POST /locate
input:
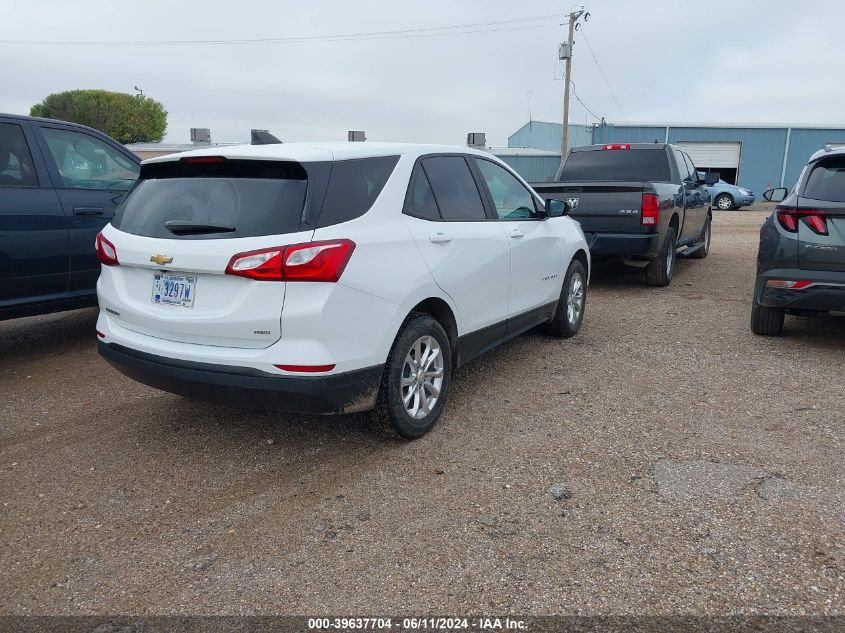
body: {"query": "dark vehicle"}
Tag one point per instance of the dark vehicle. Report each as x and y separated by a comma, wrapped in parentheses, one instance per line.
(801, 260)
(59, 186)
(643, 203)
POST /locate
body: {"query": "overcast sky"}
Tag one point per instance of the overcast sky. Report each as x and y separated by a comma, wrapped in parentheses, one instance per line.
(666, 60)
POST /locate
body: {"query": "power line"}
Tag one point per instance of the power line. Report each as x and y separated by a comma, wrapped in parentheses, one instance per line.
(434, 31)
(601, 72)
(578, 99)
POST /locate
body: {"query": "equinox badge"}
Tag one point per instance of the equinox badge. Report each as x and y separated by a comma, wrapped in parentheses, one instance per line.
(161, 259)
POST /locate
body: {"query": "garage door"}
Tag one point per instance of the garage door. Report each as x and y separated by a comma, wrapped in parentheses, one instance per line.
(712, 155)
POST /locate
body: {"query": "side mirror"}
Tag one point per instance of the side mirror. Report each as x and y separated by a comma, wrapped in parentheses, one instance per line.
(776, 195)
(556, 208)
(711, 178)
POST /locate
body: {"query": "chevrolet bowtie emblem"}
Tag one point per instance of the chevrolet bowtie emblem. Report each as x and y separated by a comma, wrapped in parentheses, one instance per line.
(161, 259)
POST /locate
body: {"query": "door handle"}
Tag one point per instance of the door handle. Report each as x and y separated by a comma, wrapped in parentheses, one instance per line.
(440, 238)
(88, 210)
(516, 233)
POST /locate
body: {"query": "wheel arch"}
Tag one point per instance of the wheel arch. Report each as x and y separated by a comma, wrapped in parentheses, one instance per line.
(581, 256)
(442, 312)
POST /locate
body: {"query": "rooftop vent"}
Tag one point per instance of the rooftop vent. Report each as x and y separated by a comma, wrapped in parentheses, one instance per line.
(200, 135)
(477, 140)
(356, 136)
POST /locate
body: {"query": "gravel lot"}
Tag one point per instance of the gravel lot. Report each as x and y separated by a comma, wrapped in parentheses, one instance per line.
(701, 471)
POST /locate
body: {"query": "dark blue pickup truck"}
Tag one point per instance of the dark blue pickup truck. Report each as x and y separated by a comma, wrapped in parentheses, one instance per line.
(644, 203)
(59, 185)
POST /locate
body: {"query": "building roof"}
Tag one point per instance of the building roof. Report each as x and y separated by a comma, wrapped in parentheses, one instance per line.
(705, 124)
(311, 152)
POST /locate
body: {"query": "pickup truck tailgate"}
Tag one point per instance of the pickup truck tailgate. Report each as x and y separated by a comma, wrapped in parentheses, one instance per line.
(607, 207)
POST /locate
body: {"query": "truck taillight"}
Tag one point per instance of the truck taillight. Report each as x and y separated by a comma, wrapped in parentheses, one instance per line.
(618, 146)
(650, 214)
(106, 252)
(311, 261)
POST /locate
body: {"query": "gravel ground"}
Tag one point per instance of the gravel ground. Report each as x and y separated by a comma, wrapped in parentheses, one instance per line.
(663, 461)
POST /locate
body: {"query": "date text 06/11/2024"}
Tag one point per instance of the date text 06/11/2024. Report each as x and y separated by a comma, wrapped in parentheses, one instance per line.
(417, 624)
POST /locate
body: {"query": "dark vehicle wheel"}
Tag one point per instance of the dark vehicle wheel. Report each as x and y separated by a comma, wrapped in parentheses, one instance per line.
(766, 321)
(706, 237)
(569, 313)
(660, 270)
(416, 379)
(724, 201)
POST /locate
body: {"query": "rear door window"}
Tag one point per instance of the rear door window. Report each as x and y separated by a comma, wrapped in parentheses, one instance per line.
(627, 165)
(419, 202)
(221, 199)
(16, 166)
(454, 188)
(827, 180)
(354, 186)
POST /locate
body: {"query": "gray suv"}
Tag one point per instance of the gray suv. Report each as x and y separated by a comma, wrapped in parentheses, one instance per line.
(801, 260)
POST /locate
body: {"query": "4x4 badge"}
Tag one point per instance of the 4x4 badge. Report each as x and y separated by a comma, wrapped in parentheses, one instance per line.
(161, 259)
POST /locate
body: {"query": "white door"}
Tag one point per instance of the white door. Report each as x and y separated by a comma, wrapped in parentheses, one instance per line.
(468, 255)
(712, 156)
(535, 248)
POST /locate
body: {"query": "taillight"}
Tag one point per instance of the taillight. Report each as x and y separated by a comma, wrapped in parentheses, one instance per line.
(202, 160)
(814, 218)
(106, 252)
(312, 261)
(306, 369)
(788, 284)
(618, 146)
(650, 215)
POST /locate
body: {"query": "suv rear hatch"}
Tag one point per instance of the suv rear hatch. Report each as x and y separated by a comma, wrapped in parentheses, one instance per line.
(608, 183)
(178, 231)
(820, 216)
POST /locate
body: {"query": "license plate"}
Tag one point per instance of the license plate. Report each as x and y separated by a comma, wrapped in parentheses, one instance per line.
(174, 290)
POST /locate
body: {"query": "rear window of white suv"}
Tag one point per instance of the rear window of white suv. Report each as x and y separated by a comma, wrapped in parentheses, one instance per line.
(212, 197)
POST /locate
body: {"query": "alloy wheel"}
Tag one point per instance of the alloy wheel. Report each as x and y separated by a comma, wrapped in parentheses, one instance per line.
(422, 377)
(575, 299)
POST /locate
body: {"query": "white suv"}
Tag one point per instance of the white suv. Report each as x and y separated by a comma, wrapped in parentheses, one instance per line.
(331, 278)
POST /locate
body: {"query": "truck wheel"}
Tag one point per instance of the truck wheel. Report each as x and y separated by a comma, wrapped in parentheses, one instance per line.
(569, 313)
(766, 321)
(416, 379)
(706, 237)
(660, 270)
(724, 201)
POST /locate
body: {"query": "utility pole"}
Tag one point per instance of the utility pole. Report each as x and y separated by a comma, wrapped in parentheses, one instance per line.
(566, 54)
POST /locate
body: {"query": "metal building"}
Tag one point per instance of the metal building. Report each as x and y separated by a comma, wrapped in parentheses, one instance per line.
(754, 156)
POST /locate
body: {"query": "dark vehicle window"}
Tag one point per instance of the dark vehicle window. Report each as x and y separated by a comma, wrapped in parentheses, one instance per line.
(85, 162)
(683, 168)
(420, 199)
(693, 172)
(510, 197)
(454, 188)
(353, 188)
(16, 167)
(631, 165)
(827, 181)
(226, 199)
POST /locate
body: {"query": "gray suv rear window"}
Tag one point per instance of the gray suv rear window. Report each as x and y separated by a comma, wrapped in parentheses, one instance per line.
(827, 180)
(626, 165)
(222, 199)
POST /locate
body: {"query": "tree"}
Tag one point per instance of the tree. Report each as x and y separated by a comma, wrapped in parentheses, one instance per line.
(126, 118)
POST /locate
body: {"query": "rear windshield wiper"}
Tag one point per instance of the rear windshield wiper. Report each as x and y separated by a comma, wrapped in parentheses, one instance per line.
(184, 227)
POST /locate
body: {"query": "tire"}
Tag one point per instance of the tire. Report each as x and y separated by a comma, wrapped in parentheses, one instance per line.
(766, 321)
(724, 202)
(661, 269)
(419, 333)
(569, 313)
(706, 238)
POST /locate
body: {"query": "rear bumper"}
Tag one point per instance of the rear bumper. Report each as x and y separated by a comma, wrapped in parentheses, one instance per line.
(826, 294)
(348, 392)
(623, 244)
